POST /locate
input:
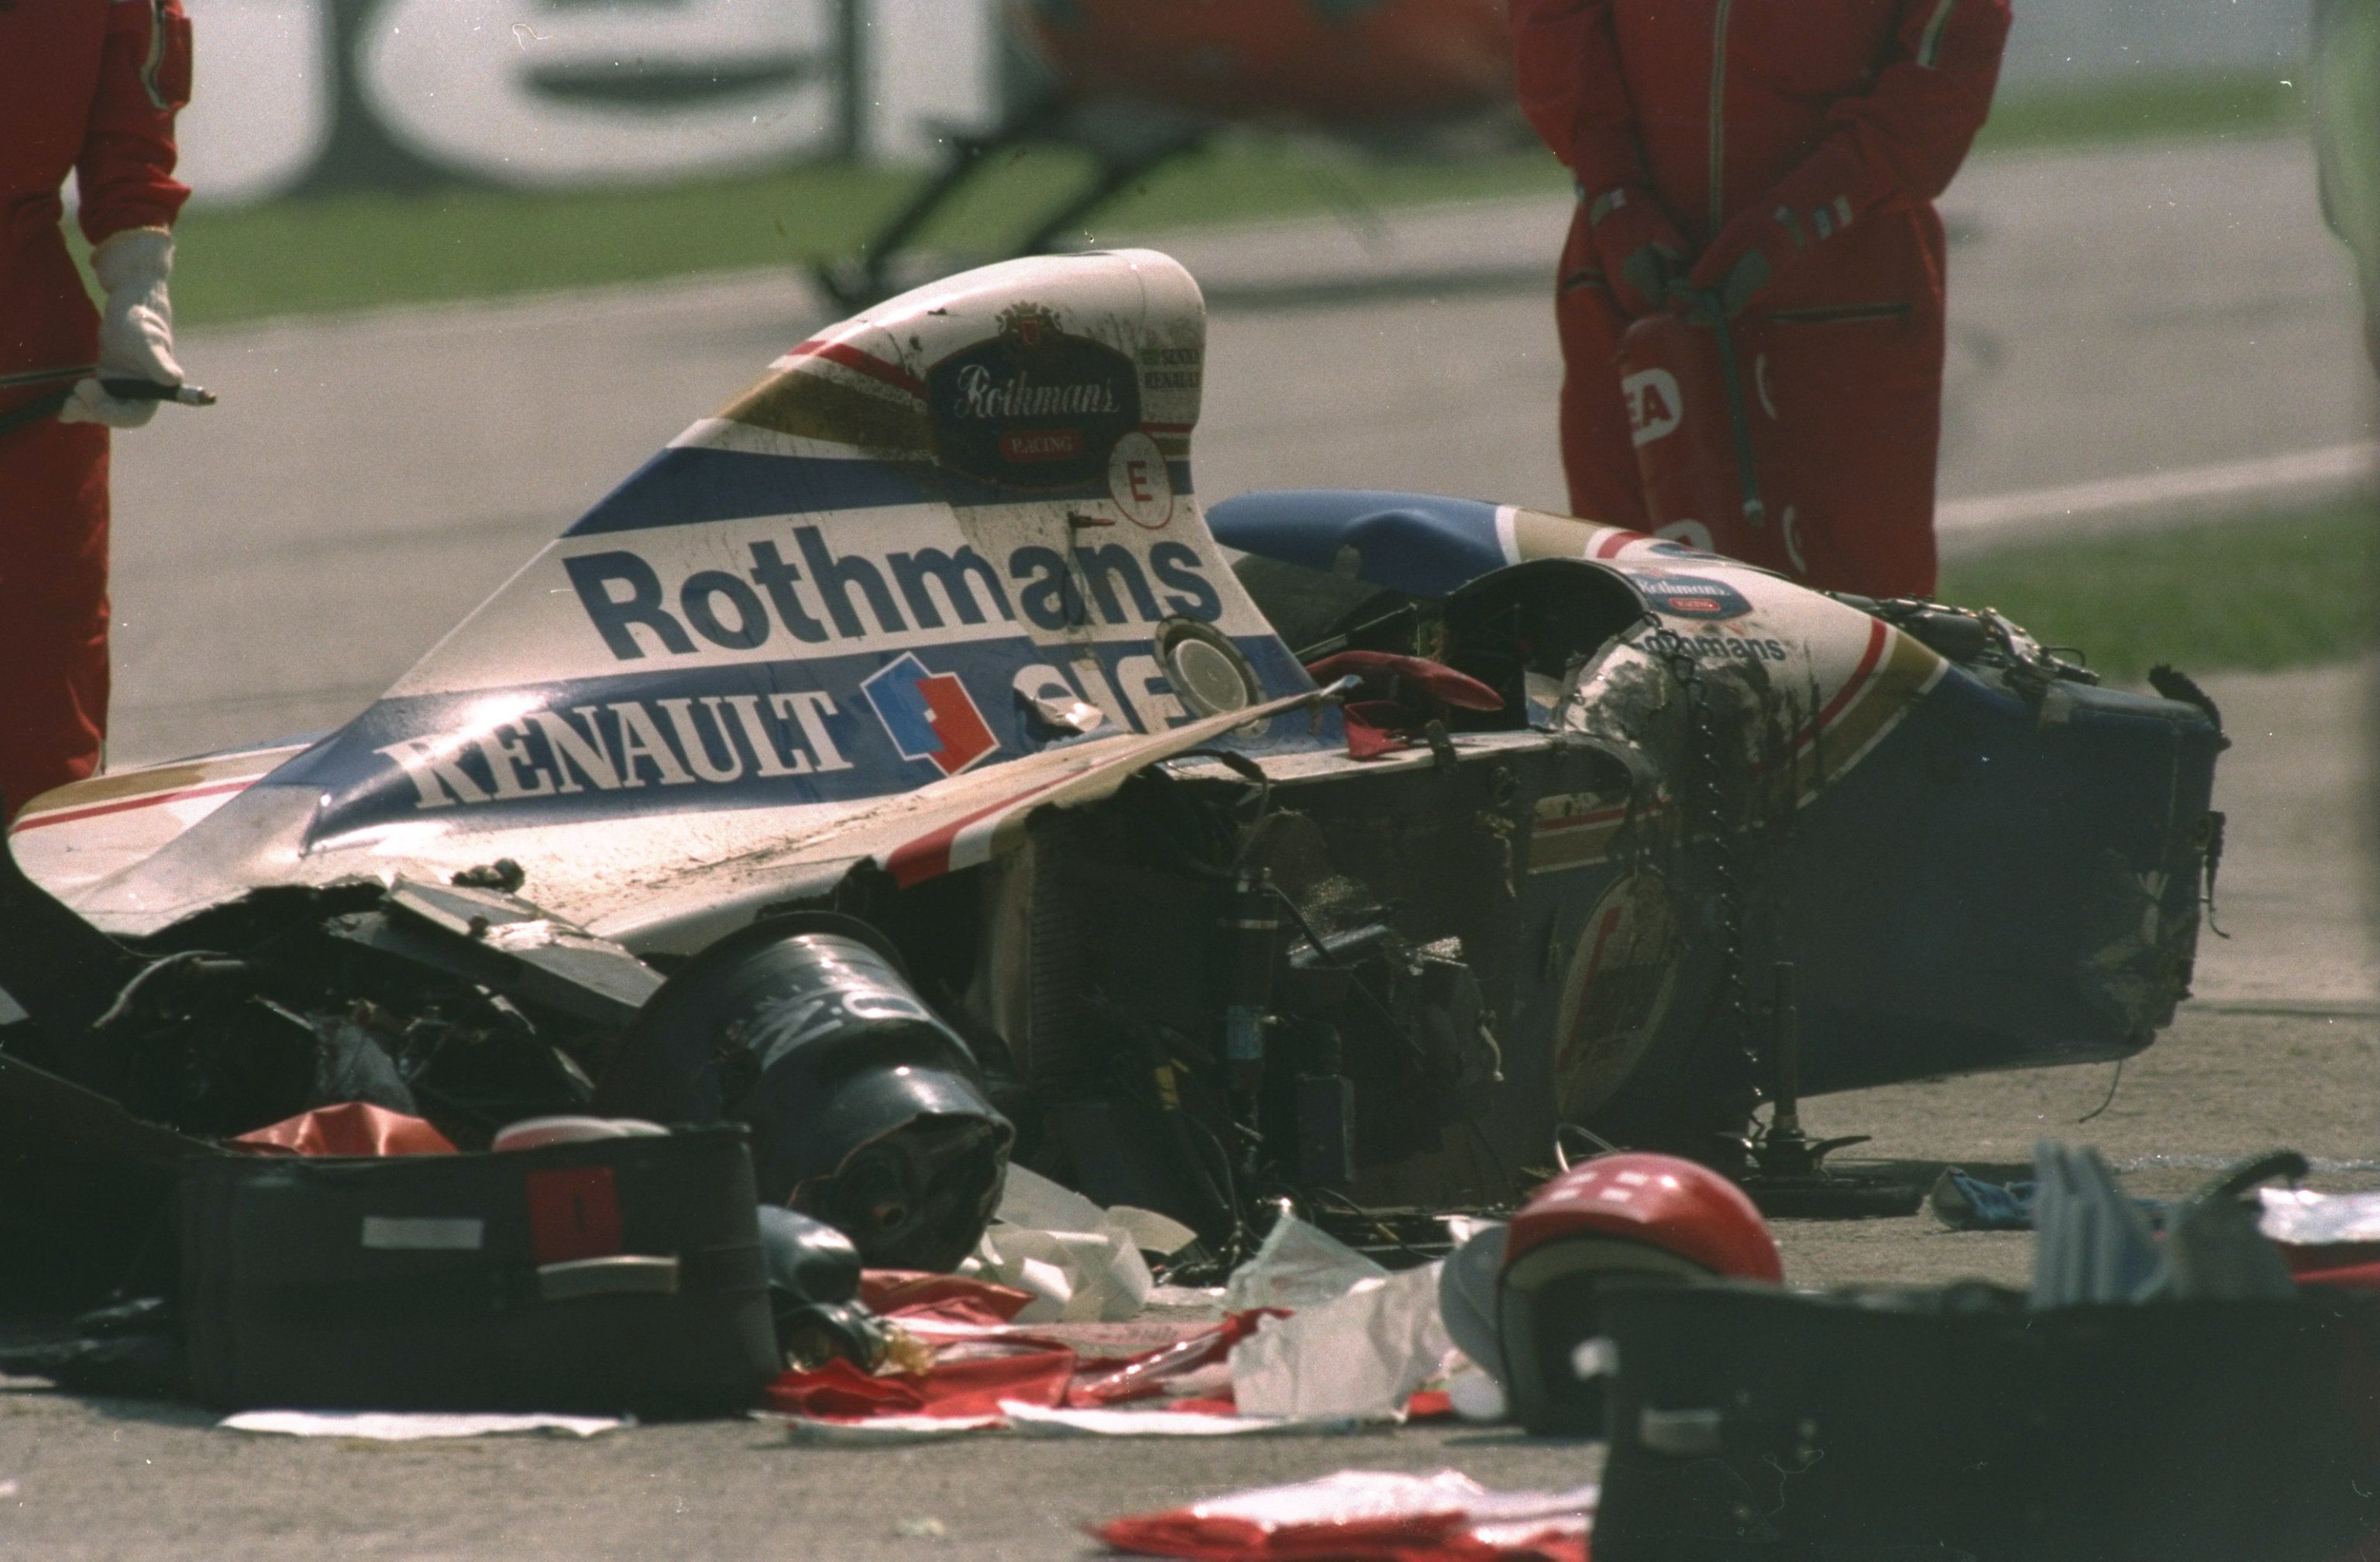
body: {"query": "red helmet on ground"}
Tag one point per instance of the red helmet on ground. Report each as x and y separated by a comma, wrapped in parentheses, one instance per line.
(1640, 1216)
(1659, 1201)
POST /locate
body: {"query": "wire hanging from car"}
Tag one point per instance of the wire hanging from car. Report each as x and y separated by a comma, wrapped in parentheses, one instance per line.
(2110, 1100)
(1561, 1151)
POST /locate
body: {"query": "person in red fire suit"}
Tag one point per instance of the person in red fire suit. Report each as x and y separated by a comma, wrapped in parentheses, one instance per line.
(88, 86)
(1783, 155)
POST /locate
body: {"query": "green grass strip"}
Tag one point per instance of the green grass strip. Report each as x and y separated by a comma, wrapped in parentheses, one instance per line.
(2285, 591)
(370, 248)
(365, 250)
(2155, 108)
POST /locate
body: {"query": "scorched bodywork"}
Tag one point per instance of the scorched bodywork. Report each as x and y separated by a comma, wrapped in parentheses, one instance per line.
(907, 722)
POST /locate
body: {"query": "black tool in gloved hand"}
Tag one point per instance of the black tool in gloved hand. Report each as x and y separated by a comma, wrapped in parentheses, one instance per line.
(151, 390)
(47, 406)
(33, 411)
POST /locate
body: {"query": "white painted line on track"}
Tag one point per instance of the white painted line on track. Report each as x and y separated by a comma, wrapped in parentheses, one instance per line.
(2160, 498)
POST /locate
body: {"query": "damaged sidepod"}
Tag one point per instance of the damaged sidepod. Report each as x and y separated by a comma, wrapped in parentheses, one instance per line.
(900, 764)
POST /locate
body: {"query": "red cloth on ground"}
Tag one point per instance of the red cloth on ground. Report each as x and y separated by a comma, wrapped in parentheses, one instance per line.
(840, 1391)
(1820, 133)
(88, 87)
(1360, 1516)
(352, 1128)
(953, 1298)
(1138, 1377)
(1039, 1372)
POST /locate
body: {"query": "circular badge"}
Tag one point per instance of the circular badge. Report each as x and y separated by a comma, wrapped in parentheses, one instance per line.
(1205, 668)
(1615, 994)
(1139, 480)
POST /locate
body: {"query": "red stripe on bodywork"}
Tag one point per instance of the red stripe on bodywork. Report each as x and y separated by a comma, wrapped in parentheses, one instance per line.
(930, 855)
(1608, 545)
(1877, 636)
(67, 815)
(848, 357)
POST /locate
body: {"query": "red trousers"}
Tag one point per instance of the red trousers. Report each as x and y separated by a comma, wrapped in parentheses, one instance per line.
(52, 606)
(1843, 386)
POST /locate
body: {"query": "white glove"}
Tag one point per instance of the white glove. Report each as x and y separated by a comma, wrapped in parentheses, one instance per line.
(136, 328)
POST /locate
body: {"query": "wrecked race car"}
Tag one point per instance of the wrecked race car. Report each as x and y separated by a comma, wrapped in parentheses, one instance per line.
(901, 764)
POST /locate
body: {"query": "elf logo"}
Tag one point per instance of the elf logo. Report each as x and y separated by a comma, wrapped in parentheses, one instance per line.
(1654, 404)
(930, 715)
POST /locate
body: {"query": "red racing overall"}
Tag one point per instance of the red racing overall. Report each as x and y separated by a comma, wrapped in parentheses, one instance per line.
(91, 87)
(1786, 153)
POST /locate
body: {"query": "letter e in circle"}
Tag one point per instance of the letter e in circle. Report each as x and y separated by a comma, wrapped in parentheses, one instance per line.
(1139, 482)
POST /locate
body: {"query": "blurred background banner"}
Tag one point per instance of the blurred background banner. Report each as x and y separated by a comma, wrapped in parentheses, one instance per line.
(304, 97)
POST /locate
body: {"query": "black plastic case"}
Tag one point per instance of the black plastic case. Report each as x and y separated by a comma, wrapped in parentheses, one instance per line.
(619, 1275)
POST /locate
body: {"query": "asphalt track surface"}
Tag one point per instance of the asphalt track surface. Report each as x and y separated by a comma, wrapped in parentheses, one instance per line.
(2122, 320)
(2251, 1065)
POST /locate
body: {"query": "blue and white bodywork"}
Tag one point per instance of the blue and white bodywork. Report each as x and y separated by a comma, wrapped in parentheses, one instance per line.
(930, 557)
(1363, 856)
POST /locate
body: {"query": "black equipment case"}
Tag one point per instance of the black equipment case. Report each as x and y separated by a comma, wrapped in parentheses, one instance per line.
(1750, 1422)
(602, 1277)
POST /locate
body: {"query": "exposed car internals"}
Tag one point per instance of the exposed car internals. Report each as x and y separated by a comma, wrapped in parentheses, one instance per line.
(904, 765)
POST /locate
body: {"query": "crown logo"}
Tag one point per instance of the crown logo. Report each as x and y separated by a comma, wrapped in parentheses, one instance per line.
(1027, 325)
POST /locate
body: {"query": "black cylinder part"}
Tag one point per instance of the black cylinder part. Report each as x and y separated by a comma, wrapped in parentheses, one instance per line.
(866, 1111)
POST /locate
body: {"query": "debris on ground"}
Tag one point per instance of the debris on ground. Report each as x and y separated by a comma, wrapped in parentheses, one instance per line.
(982, 1374)
(390, 1427)
(1361, 1514)
(1297, 1265)
(1359, 1357)
(1077, 1261)
(2302, 1218)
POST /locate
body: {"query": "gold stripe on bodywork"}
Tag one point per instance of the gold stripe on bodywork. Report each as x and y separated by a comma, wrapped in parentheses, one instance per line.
(47, 376)
(809, 406)
(1538, 535)
(1555, 845)
(160, 779)
(1909, 669)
